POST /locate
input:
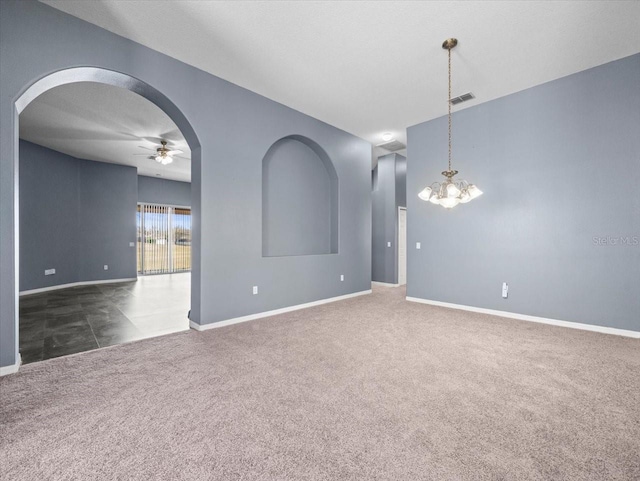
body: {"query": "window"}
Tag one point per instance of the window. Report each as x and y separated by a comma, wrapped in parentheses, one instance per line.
(164, 239)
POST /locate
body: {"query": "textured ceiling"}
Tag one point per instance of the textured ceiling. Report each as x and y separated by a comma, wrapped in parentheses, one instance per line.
(376, 66)
(104, 123)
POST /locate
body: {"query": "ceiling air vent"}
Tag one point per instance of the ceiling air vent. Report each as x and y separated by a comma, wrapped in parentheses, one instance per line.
(392, 146)
(462, 98)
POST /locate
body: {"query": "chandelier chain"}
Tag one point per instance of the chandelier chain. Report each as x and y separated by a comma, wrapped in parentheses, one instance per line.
(449, 102)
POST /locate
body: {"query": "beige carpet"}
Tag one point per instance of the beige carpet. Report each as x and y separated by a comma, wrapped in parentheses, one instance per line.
(372, 388)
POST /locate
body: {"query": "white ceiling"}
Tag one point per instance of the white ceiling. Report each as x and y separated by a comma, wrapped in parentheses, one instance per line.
(109, 124)
(370, 67)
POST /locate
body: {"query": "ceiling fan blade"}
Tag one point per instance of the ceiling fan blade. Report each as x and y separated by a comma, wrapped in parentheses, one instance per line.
(146, 148)
(181, 157)
(170, 138)
(172, 152)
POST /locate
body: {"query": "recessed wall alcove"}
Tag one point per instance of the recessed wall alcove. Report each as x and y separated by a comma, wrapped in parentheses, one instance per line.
(299, 199)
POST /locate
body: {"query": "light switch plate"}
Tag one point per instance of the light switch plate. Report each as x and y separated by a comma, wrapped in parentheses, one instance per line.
(341, 277)
(417, 245)
(106, 267)
(132, 244)
(388, 244)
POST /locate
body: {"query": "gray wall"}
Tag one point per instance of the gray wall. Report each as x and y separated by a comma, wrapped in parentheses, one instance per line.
(75, 216)
(229, 130)
(559, 165)
(401, 181)
(152, 190)
(108, 199)
(49, 217)
(386, 198)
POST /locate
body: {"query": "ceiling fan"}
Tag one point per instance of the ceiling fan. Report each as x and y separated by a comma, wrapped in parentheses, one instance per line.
(162, 155)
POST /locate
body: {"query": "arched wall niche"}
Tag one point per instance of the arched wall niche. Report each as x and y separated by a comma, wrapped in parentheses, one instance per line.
(299, 199)
(116, 79)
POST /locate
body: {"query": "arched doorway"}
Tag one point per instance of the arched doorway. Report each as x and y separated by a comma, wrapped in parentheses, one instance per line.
(116, 79)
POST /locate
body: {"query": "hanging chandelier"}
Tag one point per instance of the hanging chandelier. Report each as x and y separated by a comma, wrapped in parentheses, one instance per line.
(450, 192)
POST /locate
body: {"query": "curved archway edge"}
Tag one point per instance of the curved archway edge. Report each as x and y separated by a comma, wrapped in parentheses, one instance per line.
(116, 79)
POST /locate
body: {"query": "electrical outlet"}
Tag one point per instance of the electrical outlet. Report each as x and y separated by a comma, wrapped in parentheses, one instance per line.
(255, 290)
(49, 272)
(417, 245)
(341, 277)
(132, 244)
(505, 290)
(106, 267)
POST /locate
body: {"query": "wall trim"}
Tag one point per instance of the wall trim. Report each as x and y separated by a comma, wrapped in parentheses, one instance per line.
(75, 284)
(384, 284)
(525, 317)
(275, 312)
(12, 369)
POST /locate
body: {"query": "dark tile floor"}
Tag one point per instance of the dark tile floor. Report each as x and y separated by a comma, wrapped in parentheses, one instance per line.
(68, 321)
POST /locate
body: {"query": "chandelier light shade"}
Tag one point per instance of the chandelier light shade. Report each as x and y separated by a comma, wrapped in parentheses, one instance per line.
(449, 192)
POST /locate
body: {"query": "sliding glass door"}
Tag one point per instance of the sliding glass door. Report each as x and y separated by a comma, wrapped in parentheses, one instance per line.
(164, 239)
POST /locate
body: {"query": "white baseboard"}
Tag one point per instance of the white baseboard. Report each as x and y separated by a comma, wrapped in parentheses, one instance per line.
(384, 284)
(75, 284)
(526, 317)
(251, 317)
(6, 370)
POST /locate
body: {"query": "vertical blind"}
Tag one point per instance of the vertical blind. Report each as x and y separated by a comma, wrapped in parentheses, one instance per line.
(164, 239)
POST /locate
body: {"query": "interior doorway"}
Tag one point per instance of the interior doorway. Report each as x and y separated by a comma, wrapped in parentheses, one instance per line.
(402, 245)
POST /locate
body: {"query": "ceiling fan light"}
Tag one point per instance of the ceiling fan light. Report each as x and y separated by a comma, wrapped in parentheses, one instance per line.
(434, 199)
(425, 193)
